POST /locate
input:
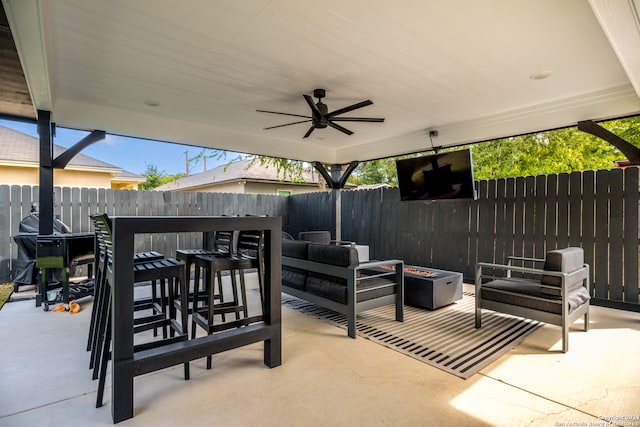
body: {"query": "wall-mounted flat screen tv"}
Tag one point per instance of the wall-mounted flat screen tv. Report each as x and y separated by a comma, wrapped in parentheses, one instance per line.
(442, 176)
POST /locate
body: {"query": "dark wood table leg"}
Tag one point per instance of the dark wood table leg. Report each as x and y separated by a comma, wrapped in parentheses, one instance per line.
(122, 370)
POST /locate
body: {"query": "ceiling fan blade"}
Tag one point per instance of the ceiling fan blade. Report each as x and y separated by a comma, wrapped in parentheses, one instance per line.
(349, 108)
(309, 131)
(357, 119)
(340, 128)
(288, 124)
(284, 114)
(312, 105)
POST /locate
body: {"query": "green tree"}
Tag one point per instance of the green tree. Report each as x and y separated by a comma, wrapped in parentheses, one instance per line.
(286, 169)
(155, 178)
(543, 153)
(558, 151)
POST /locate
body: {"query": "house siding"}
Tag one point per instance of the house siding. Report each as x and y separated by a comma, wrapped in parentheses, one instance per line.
(12, 175)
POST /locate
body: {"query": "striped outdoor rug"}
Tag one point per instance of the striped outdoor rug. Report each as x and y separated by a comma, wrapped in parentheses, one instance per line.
(444, 338)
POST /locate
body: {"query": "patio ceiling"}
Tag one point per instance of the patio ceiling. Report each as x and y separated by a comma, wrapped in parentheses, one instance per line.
(195, 72)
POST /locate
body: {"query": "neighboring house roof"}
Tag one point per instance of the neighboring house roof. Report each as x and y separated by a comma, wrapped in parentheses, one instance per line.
(127, 176)
(20, 149)
(371, 186)
(243, 170)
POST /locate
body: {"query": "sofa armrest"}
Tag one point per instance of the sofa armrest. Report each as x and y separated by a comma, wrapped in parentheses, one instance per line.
(343, 242)
(397, 271)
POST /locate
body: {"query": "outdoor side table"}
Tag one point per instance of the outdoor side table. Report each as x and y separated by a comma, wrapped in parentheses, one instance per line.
(431, 292)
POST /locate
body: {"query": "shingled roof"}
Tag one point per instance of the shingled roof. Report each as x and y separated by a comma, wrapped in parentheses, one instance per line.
(243, 170)
(20, 149)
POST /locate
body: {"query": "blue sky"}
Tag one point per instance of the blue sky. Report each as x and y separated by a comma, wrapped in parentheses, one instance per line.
(131, 154)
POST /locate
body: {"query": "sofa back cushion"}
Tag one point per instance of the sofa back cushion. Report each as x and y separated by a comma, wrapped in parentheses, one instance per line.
(342, 256)
(324, 285)
(565, 260)
(291, 276)
(295, 249)
(315, 236)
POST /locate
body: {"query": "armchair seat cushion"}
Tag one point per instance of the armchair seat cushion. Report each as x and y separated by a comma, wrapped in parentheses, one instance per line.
(493, 291)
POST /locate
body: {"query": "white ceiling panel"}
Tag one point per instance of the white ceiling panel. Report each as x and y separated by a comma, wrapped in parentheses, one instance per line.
(462, 67)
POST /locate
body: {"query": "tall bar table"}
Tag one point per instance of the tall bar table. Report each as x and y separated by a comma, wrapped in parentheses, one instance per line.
(126, 364)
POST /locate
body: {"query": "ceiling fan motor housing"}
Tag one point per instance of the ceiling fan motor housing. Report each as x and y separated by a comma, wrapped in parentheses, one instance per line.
(319, 93)
(321, 121)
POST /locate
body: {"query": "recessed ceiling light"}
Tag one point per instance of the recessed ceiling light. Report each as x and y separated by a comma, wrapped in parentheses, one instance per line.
(151, 103)
(540, 75)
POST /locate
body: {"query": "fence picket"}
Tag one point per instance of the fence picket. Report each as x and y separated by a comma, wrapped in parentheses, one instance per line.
(630, 196)
(616, 234)
(601, 267)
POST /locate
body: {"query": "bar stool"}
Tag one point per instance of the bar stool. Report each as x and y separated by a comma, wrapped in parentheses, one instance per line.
(99, 310)
(247, 256)
(221, 245)
(98, 294)
(169, 273)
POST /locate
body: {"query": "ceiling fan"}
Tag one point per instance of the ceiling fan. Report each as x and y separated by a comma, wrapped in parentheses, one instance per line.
(320, 116)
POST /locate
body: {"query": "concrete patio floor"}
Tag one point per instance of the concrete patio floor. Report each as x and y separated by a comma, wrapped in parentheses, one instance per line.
(326, 378)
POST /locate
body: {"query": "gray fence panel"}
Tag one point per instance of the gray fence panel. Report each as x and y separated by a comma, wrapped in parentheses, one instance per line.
(472, 252)
(518, 218)
(6, 252)
(485, 224)
(588, 220)
(575, 209)
(502, 234)
(529, 216)
(539, 214)
(616, 234)
(563, 211)
(601, 267)
(551, 220)
(631, 199)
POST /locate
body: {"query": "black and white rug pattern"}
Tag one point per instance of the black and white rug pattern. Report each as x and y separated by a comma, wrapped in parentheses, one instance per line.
(445, 338)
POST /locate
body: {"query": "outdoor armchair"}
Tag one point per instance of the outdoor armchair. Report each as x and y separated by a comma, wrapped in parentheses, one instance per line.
(557, 294)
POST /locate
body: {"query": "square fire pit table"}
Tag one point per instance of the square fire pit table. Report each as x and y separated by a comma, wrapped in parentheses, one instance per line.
(430, 288)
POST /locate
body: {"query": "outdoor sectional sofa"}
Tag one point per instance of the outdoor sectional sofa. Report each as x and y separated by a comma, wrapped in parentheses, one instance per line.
(331, 276)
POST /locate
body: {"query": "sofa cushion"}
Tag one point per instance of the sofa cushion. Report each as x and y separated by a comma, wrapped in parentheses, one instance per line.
(565, 260)
(336, 289)
(315, 236)
(295, 249)
(324, 285)
(342, 256)
(291, 276)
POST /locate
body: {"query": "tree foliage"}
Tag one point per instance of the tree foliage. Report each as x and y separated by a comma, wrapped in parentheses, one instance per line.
(286, 169)
(544, 153)
(155, 178)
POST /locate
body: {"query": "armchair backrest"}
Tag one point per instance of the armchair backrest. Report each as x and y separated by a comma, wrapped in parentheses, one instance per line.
(565, 260)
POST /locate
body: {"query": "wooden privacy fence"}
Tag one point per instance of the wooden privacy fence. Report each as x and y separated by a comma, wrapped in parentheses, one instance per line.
(527, 216)
(74, 205)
